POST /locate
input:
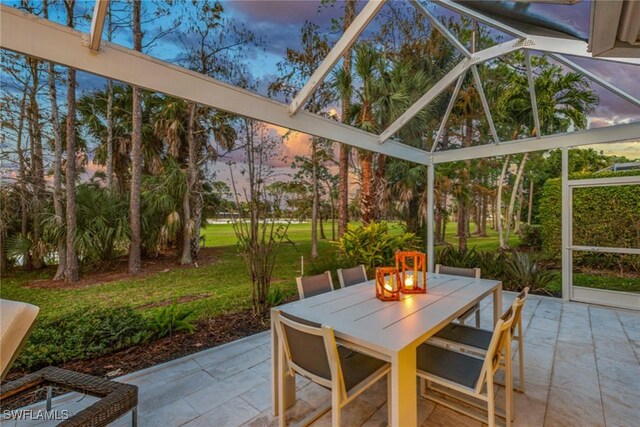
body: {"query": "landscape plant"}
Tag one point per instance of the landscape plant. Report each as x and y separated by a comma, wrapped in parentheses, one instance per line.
(374, 245)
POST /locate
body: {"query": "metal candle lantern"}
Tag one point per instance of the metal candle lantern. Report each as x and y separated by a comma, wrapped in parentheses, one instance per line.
(412, 267)
(387, 284)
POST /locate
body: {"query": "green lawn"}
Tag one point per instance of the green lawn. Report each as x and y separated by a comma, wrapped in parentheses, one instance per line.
(223, 286)
(598, 281)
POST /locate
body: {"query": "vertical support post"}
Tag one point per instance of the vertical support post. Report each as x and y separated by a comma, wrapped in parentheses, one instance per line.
(566, 228)
(49, 396)
(430, 216)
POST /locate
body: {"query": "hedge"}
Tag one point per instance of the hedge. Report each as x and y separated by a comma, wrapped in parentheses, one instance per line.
(602, 216)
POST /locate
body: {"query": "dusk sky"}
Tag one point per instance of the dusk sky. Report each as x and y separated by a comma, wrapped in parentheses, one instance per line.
(277, 24)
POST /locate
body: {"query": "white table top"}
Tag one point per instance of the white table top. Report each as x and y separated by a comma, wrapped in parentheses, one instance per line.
(387, 327)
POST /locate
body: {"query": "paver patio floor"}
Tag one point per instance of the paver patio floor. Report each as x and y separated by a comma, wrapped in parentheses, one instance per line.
(582, 368)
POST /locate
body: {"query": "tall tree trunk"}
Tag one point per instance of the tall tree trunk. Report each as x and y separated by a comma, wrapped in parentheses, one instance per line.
(37, 163)
(483, 216)
(71, 273)
(512, 201)
(518, 215)
(58, 207)
(530, 212)
(109, 111)
(380, 185)
(22, 174)
(321, 227)
(187, 221)
(343, 159)
(110, 134)
(498, 208)
(136, 155)
(314, 199)
(367, 196)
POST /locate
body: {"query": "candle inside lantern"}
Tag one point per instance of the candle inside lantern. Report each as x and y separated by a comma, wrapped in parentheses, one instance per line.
(388, 289)
(408, 281)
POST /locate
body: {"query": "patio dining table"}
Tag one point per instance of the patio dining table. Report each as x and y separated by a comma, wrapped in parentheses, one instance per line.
(388, 330)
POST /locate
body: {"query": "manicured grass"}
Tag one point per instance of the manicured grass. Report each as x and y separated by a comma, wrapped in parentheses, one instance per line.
(598, 281)
(223, 286)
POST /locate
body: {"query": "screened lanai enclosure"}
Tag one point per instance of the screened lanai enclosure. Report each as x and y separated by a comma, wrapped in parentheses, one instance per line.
(611, 41)
(566, 337)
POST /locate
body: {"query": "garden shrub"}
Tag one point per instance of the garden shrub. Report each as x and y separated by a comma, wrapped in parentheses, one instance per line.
(374, 246)
(82, 334)
(607, 216)
(531, 236)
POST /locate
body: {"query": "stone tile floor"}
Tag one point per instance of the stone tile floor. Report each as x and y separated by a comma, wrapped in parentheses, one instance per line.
(582, 369)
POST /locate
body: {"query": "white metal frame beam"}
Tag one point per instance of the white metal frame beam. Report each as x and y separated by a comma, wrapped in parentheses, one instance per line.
(348, 38)
(571, 47)
(617, 133)
(97, 24)
(40, 38)
(446, 81)
(457, 7)
(592, 76)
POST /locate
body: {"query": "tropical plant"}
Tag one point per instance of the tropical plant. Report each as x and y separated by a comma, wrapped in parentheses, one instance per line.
(374, 245)
(522, 270)
(171, 318)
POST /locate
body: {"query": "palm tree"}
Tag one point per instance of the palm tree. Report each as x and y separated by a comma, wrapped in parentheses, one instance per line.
(383, 93)
(343, 159)
(71, 273)
(563, 101)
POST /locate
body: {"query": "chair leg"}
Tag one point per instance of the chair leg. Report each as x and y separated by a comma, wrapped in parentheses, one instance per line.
(478, 317)
(134, 417)
(389, 396)
(280, 376)
(508, 389)
(491, 404)
(336, 410)
(520, 358)
(49, 396)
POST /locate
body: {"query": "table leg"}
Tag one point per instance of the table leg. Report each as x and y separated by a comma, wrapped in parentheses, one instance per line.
(497, 303)
(277, 375)
(404, 400)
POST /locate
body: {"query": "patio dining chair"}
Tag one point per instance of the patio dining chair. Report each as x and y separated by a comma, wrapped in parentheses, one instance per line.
(309, 286)
(352, 276)
(116, 399)
(465, 272)
(468, 375)
(476, 341)
(310, 350)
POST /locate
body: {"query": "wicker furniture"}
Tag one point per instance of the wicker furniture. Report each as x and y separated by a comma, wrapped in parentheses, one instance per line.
(116, 399)
(464, 272)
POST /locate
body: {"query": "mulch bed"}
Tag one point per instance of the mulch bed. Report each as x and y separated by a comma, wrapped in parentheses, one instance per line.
(119, 270)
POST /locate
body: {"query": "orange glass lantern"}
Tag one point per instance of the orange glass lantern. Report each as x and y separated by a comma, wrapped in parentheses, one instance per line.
(412, 267)
(387, 284)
